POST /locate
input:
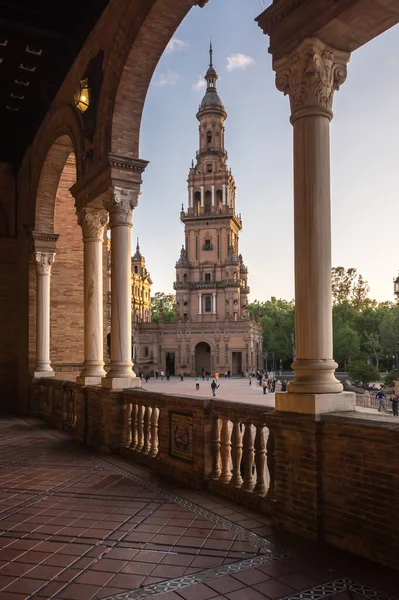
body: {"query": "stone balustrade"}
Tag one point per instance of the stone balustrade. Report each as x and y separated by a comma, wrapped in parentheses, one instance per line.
(308, 472)
(242, 452)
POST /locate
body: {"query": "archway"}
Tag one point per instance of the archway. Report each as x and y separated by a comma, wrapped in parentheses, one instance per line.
(202, 358)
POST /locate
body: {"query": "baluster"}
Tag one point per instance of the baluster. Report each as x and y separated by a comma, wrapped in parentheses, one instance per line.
(140, 427)
(215, 448)
(260, 459)
(154, 432)
(147, 432)
(133, 421)
(225, 448)
(270, 457)
(128, 417)
(248, 459)
(236, 454)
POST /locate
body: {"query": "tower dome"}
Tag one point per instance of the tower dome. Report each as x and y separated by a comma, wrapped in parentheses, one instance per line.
(211, 99)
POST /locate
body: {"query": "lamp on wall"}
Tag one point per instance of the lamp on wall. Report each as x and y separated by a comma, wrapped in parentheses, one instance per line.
(81, 98)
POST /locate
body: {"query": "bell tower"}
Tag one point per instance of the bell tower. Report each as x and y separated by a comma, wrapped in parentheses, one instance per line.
(211, 278)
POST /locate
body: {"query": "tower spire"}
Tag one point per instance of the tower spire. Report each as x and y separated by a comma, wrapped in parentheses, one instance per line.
(138, 245)
(210, 55)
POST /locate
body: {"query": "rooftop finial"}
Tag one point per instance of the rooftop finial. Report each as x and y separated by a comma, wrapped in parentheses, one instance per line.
(210, 54)
(138, 245)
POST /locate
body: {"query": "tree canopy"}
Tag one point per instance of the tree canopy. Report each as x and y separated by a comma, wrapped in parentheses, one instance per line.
(163, 307)
(364, 330)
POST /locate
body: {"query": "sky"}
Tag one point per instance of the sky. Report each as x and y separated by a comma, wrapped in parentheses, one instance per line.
(364, 153)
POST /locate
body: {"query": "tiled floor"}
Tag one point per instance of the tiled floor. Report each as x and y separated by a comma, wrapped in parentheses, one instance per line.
(79, 526)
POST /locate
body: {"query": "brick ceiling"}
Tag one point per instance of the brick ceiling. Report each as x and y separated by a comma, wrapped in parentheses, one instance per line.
(39, 40)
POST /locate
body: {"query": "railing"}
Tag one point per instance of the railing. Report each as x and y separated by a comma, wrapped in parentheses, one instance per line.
(142, 427)
(211, 150)
(242, 448)
(370, 401)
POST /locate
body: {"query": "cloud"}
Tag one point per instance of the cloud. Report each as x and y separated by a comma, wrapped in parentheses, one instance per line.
(238, 61)
(201, 84)
(176, 45)
(168, 78)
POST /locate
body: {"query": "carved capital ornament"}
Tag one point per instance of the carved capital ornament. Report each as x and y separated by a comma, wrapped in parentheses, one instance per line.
(310, 76)
(44, 261)
(120, 203)
(93, 222)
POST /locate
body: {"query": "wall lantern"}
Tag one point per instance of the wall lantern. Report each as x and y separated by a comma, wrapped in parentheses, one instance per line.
(81, 98)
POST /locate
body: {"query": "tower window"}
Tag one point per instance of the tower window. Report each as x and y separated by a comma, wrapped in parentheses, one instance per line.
(209, 138)
(209, 168)
(135, 269)
(145, 350)
(207, 276)
(207, 245)
(208, 304)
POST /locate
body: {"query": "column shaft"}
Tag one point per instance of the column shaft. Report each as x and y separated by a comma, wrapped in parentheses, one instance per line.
(44, 262)
(93, 222)
(120, 205)
(310, 76)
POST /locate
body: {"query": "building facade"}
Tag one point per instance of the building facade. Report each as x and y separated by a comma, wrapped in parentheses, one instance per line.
(214, 331)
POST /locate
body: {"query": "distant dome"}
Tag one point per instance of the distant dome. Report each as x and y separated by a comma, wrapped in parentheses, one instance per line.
(211, 100)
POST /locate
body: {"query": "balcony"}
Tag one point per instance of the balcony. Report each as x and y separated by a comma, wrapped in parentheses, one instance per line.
(212, 150)
(198, 285)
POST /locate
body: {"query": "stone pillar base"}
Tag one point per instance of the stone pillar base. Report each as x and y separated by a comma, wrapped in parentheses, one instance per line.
(87, 380)
(40, 374)
(315, 404)
(120, 383)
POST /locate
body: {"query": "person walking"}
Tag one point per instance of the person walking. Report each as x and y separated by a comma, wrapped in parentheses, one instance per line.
(167, 376)
(217, 377)
(156, 374)
(250, 378)
(381, 398)
(197, 382)
(214, 387)
(395, 405)
(181, 376)
(264, 385)
(162, 375)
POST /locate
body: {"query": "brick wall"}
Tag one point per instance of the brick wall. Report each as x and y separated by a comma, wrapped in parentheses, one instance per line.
(66, 312)
(360, 479)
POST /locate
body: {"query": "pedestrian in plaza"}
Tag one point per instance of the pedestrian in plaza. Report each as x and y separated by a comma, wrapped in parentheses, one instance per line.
(217, 376)
(395, 404)
(197, 382)
(381, 398)
(167, 376)
(203, 374)
(162, 375)
(250, 378)
(181, 376)
(156, 374)
(264, 385)
(146, 377)
(214, 387)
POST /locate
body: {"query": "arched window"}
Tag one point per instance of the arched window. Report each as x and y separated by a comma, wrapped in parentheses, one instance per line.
(177, 277)
(209, 138)
(185, 277)
(135, 269)
(208, 304)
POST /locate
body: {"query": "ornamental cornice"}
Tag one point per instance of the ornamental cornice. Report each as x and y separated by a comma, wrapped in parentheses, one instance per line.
(93, 222)
(127, 164)
(310, 76)
(43, 241)
(44, 261)
(275, 13)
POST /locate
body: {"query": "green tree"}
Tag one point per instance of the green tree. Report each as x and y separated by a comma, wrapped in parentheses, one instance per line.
(373, 345)
(362, 371)
(278, 324)
(349, 286)
(163, 307)
(346, 344)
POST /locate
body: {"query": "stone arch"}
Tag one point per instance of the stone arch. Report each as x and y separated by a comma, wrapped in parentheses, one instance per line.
(203, 357)
(136, 55)
(61, 136)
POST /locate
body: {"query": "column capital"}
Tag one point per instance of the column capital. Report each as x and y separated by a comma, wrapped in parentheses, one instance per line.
(120, 203)
(44, 261)
(310, 76)
(93, 222)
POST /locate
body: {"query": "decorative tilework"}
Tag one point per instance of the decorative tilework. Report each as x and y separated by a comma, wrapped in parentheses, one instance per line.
(327, 590)
(189, 580)
(261, 544)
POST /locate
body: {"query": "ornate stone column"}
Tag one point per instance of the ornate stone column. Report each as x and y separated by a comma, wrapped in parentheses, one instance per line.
(224, 196)
(213, 195)
(120, 203)
(44, 261)
(214, 303)
(200, 304)
(202, 196)
(93, 222)
(310, 76)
